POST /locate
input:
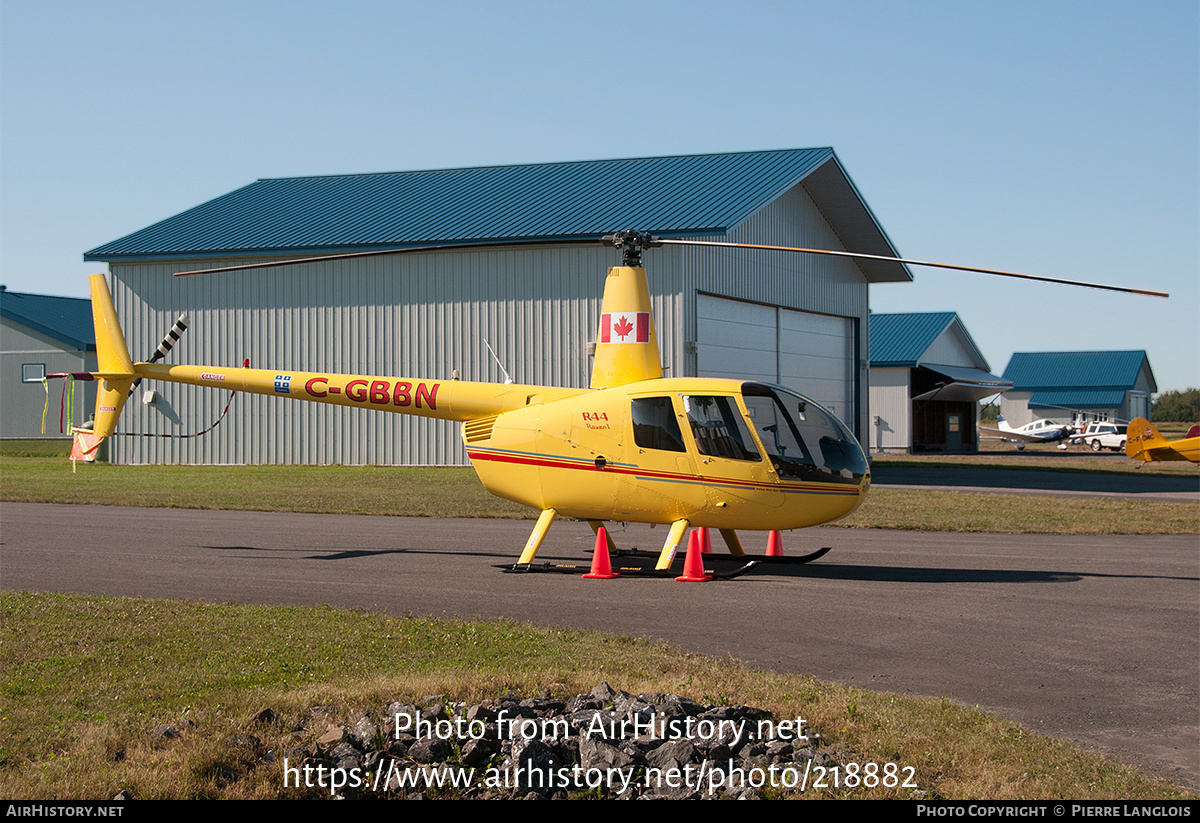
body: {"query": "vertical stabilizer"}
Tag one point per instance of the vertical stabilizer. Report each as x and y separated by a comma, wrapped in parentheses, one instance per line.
(1141, 438)
(626, 346)
(115, 369)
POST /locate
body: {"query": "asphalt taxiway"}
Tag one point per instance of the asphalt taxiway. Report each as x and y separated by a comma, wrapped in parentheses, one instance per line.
(1145, 487)
(1095, 639)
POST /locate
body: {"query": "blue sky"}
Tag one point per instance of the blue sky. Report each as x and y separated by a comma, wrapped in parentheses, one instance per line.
(1057, 138)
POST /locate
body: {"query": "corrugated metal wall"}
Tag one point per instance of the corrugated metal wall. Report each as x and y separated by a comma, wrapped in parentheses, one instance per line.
(23, 405)
(949, 349)
(414, 315)
(813, 283)
(892, 408)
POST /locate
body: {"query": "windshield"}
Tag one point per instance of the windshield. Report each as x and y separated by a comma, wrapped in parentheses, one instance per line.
(802, 440)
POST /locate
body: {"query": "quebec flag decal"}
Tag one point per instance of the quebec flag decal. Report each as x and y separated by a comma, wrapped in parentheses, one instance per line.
(283, 384)
(625, 327)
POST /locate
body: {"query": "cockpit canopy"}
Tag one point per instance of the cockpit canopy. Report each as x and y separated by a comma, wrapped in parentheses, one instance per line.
(802, 440)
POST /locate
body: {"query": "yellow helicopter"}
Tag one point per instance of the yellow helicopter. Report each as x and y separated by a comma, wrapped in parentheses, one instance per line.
(633, 447)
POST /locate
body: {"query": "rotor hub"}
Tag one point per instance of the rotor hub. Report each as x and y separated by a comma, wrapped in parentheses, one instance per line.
(631, 243)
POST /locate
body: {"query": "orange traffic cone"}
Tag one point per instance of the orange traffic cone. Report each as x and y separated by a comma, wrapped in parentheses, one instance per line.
(601, 564)
(705, 542)
(693, 564)
(774, 545)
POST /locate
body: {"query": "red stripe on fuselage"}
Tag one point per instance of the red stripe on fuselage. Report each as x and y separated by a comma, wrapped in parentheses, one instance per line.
(550, 463)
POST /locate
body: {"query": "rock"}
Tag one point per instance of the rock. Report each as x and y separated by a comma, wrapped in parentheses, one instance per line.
(605, 744)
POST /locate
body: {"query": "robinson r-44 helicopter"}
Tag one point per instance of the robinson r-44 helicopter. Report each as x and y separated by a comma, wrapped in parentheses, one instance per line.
(633, 447)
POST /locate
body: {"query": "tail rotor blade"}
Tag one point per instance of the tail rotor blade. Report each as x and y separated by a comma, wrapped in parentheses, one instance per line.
(165, 346)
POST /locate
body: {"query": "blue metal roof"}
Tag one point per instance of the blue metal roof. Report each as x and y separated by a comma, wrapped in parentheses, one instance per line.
(670, 196)
(66, 319)
(901, 339)
(1030, 371)
(1078, 399)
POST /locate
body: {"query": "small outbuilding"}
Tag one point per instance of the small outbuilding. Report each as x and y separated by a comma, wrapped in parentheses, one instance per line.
(1079, 387)
(927, 378)
(39, 335)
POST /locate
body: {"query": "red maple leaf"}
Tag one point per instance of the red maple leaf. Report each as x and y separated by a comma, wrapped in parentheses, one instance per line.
(623, 328)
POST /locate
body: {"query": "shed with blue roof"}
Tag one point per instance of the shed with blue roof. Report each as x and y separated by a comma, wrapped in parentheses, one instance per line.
(1078, 386)
(927, 378)
(793, 319)
(39, 335)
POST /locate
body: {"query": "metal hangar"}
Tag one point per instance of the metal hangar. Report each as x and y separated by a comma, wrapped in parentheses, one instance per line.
(799, 320)
(1078, 387)
(39, 335)
(927, 378)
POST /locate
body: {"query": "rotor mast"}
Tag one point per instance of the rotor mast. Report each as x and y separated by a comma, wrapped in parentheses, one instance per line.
(626, 345)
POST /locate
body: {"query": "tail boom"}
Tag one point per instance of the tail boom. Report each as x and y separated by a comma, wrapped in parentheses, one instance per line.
(443, 399)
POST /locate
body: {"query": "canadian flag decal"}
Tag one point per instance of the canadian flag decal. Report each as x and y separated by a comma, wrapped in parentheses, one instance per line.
(625, 327)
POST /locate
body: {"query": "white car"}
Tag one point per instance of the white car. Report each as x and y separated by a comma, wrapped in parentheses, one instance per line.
(1102, 436)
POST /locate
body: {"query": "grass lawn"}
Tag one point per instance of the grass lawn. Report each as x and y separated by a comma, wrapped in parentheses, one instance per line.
(84, 680)
(457, 492)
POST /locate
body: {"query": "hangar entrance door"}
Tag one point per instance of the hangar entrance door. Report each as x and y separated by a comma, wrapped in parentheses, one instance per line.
(813, 354)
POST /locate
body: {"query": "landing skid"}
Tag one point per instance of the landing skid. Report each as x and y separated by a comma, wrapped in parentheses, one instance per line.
(793, 561)
(625, 568)
(639, 563)
(728, 558)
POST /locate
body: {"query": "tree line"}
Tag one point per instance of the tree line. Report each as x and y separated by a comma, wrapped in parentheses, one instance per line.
(1177, 407)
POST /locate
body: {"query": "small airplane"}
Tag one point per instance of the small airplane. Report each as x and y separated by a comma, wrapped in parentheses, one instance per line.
(633, 447)
(1144, 442)
(1039, 431)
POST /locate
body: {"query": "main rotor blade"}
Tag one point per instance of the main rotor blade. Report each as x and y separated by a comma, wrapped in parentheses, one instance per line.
(862, 256)
(380, 253)
(275, 263)
(676, 242)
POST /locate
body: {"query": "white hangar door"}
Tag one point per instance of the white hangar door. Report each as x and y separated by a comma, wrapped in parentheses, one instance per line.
(816, 358)
(810, 353)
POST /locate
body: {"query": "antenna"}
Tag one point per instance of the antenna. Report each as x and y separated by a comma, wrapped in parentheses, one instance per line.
(507, 380)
